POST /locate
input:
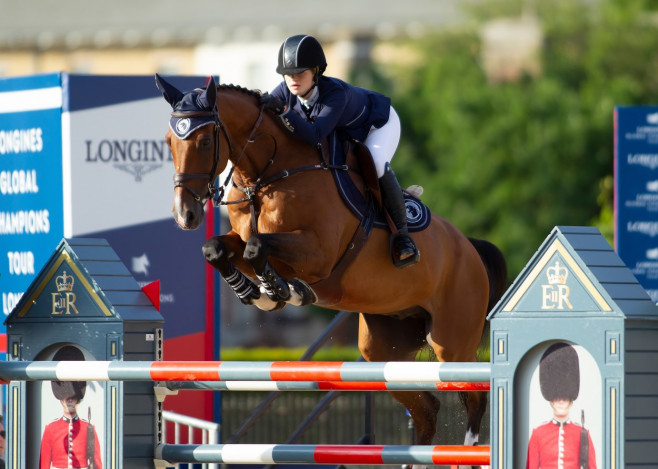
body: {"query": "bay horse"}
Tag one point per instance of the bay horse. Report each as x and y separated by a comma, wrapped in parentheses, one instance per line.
(293, 240)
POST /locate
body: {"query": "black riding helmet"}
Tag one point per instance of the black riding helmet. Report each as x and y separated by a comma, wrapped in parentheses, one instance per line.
(299, 53)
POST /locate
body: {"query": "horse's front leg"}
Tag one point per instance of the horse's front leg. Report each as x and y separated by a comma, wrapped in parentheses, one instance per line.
(220, 252)
(257, 251)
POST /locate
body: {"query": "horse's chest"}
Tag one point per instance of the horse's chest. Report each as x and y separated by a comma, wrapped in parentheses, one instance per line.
(264, 217)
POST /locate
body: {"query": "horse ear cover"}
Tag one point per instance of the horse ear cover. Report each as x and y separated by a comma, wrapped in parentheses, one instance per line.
(65, 389)
(208, 98)
(559, 372)
(171, 94)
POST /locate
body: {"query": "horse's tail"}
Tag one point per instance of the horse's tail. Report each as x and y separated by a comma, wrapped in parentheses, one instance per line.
(494, 262)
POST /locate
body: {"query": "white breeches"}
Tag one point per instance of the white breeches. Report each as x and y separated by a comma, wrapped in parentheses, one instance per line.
(383, 142)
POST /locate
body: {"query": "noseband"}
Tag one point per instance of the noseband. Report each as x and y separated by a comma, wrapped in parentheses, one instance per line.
(181, 178)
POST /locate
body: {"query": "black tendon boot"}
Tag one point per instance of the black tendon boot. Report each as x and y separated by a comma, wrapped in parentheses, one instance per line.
(404, 250)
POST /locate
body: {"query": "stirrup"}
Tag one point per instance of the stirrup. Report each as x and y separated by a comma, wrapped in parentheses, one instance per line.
(409, 261)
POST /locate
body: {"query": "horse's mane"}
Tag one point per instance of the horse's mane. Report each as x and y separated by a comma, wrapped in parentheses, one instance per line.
(255, 93)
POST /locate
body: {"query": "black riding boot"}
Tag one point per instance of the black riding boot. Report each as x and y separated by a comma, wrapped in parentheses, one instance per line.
(404, 250)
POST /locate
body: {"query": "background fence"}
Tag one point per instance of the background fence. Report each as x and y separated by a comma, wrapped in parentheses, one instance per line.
(343, 422)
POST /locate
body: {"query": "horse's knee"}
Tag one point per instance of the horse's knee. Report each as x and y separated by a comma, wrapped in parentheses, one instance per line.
(256, 252)
(214, 252)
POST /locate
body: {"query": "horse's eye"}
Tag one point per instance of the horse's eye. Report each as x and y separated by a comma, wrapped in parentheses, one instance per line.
(205, 142)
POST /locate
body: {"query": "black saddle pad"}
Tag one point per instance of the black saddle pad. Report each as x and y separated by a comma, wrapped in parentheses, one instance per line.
(418, 215)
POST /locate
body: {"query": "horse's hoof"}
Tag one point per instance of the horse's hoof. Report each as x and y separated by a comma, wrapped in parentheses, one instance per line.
(248, 300)
(265, 303)
(302, 293)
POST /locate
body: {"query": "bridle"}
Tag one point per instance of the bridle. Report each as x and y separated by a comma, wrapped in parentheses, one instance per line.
(180, 179)
(216, 194)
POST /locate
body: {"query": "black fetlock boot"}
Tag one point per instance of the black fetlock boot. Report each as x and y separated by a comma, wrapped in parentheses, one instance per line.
(404, 250)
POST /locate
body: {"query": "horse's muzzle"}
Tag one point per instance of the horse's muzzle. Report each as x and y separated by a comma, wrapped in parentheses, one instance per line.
(188, 214)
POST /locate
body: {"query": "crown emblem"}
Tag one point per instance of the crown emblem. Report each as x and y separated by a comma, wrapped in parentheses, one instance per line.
(64, 282)
(557, 274)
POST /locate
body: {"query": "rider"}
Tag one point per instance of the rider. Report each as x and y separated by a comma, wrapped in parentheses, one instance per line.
(312, 105)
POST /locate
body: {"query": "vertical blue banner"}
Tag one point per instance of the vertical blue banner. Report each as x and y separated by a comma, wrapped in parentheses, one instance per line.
(636, 192)
(30, 182)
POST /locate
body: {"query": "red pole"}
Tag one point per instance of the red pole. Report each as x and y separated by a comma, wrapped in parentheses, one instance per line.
(461, 455)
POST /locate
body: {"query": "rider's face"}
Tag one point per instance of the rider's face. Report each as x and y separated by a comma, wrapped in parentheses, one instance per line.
(300, 84)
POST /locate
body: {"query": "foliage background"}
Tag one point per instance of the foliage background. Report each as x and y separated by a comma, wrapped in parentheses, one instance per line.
(507, 161)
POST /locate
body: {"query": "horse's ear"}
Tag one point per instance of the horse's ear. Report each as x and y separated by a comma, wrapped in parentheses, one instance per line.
(170, 93)
(209, 97)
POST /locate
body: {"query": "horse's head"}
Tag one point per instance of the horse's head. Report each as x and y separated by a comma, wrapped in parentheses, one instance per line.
(194, 140)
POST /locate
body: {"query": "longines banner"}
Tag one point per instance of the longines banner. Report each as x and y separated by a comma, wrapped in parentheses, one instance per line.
(85, 156)
(636, 192)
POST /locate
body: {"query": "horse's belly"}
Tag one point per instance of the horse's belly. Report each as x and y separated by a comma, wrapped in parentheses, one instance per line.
(448, 268)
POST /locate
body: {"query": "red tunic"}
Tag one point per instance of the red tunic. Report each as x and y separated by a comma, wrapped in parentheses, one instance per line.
(64, 445)
(556, 446)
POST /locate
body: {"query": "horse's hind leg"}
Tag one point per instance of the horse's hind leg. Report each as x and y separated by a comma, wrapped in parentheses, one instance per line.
(476, 405)
(385, 338)
(455, 338)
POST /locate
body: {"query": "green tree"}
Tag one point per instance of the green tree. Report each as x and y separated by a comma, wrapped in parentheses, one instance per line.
(508, 161)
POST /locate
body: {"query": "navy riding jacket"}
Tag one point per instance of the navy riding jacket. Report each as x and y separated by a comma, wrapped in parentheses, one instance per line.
(340, 106)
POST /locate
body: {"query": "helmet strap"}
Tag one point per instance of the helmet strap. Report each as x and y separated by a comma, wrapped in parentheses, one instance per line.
(308, 92)
(316, 81)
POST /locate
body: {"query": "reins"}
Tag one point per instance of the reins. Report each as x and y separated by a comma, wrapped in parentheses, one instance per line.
(250, 192)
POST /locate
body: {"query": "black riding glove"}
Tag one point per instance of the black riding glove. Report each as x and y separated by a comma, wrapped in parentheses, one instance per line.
(273, 103)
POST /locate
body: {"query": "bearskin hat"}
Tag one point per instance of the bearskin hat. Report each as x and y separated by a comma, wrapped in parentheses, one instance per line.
(559, 372)
(65, 389)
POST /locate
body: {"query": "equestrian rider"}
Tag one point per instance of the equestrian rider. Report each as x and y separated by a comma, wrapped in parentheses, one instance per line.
(312, 105)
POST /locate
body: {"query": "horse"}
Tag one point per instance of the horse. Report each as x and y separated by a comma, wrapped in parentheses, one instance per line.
(294, 241)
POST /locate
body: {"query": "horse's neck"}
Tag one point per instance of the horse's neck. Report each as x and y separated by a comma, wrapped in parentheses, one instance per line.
(263, 159)
(240, 119)
(265, 148)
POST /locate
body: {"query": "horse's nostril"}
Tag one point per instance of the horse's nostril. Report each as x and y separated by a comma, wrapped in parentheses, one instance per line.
(189, 217)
